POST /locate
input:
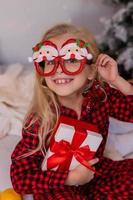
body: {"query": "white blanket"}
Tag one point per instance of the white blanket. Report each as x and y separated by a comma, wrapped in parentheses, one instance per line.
(16, 88)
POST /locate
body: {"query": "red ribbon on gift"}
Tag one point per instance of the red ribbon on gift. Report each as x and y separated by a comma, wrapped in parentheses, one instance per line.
(64, 152)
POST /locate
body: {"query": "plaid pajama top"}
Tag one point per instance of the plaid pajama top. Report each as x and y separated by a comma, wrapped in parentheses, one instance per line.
(116, 181)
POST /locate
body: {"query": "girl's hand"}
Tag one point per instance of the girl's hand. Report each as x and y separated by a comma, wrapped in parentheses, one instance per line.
(107, 68)
(81, 175)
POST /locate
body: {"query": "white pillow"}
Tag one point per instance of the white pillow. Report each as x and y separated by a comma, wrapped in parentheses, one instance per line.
(120, 137)
(119, 127)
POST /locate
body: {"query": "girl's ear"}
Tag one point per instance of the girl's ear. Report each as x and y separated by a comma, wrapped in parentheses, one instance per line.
(92, 72)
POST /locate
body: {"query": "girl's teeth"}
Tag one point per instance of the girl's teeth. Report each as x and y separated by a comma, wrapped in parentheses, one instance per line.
(62, 81)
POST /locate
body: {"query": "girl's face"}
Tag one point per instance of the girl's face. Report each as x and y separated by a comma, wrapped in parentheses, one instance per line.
(67, 85)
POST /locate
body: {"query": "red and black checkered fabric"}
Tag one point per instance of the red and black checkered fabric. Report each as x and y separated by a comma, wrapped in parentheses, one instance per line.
(116, 179)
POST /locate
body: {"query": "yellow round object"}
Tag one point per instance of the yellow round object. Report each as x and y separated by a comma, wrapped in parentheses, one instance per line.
(10, 194)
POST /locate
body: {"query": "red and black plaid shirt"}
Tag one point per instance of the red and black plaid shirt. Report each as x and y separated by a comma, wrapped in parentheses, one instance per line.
(26, 174)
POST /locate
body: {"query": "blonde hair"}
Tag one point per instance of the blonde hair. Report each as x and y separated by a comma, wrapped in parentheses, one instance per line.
(45, 103)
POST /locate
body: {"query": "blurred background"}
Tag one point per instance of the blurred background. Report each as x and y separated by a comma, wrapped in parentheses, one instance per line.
(24, 22)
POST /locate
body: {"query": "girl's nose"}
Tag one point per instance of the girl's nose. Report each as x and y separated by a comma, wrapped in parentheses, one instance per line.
(59, 69)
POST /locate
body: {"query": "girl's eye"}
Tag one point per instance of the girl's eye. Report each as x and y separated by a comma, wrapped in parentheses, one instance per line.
(50, 62)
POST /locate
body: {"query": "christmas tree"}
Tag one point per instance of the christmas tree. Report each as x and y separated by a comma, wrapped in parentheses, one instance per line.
(117, 37)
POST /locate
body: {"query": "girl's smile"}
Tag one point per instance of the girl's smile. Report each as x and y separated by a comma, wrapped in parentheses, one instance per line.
(60, 81)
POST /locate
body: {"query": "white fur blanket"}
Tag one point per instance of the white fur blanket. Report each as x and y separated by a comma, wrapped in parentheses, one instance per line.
(16, 88)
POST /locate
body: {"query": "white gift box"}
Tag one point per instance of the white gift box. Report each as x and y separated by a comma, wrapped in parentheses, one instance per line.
(66, 132)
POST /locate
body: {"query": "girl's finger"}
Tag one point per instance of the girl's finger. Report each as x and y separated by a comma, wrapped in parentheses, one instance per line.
(105, 61)
(93, 161)
(98, 59)
(101, 58)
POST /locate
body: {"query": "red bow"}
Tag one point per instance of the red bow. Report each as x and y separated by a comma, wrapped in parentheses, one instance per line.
(64, 151)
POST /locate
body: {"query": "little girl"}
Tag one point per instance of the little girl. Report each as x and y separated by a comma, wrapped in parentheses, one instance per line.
(73, 79)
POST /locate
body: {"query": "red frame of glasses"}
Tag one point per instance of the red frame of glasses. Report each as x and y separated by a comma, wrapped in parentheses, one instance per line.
(60, 61)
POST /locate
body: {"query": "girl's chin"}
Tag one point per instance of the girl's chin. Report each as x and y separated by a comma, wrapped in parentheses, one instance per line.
(63, 94)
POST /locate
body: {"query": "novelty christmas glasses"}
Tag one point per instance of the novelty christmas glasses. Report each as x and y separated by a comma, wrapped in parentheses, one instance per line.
(72, 57)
